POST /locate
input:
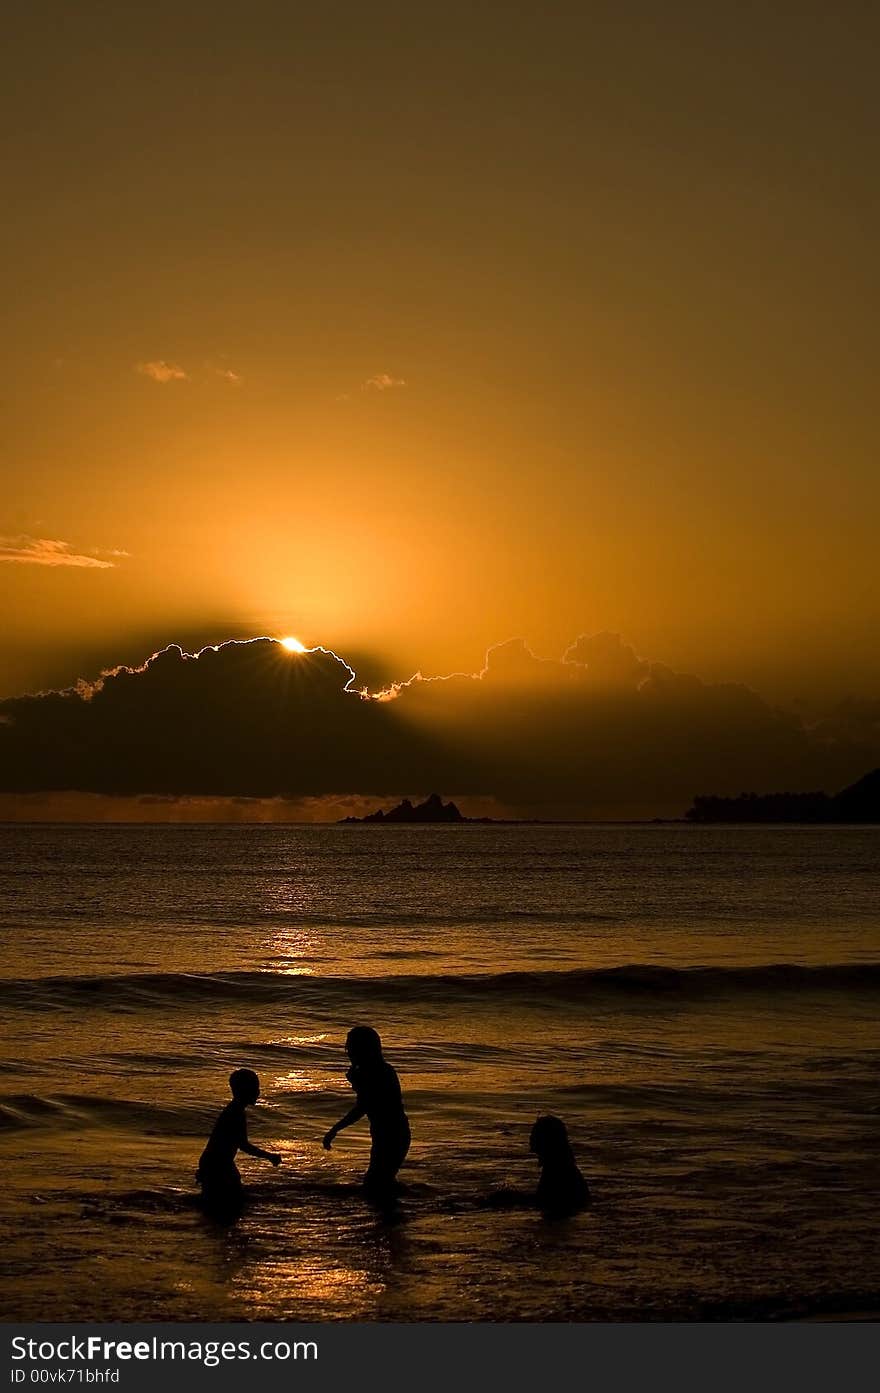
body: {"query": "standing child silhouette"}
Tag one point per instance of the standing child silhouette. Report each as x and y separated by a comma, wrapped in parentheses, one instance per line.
(377, 1091)
(218, 1174)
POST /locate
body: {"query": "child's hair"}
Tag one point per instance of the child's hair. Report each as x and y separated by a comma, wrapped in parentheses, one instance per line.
(363, 1043)
(550, 1137)
(243, 1082)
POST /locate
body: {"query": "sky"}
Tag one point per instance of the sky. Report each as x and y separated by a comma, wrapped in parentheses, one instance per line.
(413, 330)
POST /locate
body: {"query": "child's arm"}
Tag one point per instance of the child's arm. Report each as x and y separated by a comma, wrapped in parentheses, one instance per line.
(353, 1115)
(258, 1151)
(244, 1144)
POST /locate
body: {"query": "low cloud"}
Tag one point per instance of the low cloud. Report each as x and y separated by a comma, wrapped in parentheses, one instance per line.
(599, 732)
(45, 551)
(161, 371)
(383, 382)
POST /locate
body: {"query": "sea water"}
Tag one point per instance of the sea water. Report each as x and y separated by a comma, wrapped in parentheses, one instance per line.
(700, 1005)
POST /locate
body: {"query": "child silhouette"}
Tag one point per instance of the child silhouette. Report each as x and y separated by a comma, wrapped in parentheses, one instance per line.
(218, 1174)
(561, 1187)
(377, 1090)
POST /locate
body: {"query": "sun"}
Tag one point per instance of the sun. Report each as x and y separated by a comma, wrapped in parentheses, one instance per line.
(293, 645)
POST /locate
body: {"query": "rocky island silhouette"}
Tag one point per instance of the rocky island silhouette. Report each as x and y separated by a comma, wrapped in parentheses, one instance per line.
(433, 809)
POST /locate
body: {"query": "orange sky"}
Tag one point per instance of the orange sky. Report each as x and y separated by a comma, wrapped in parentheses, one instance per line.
(410, 329)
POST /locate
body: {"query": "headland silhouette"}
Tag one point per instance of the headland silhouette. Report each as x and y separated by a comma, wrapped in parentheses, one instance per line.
(858, 803)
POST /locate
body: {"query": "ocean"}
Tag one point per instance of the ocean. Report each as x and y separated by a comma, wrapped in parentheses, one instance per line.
(700, 1005)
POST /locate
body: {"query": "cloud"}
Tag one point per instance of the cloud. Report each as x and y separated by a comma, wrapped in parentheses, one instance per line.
(383, 382)
(854, 721)
(608, 661)
(161, 371)
(599, 732)
(43, 551)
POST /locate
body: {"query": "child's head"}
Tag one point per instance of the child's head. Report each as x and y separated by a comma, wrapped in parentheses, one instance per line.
(363, 1045)
(549, 1138)
(245, 1086)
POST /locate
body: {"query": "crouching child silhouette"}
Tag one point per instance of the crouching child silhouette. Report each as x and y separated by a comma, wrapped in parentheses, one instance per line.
(218, 1175)
(561, 1188)
(378, 1097)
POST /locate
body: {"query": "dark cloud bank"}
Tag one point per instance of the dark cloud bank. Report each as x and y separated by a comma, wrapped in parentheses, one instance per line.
(599, 732)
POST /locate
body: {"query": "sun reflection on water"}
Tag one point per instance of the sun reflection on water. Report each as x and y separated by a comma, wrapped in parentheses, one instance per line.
(310, 1281)
(296, 1081)
(290, 950)
(314, 1256)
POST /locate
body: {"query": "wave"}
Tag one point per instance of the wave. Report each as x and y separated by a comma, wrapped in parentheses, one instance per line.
(642, 982)
(19, 1111)
(384, 916)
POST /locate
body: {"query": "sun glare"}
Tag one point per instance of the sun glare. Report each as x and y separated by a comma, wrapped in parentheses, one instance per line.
(293, 645)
